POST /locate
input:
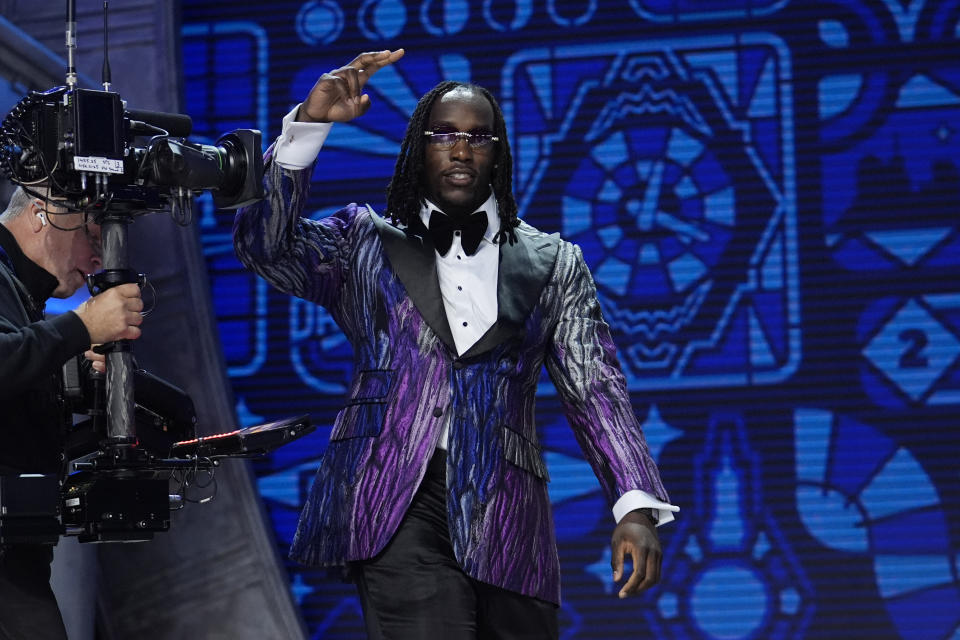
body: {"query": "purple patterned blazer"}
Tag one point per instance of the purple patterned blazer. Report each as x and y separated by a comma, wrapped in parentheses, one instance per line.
(379, 283)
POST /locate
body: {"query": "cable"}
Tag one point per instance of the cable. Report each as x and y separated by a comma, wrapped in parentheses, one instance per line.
(195, 474)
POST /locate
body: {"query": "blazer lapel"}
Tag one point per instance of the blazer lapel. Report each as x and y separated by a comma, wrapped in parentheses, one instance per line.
(412, 257)
(525, 267)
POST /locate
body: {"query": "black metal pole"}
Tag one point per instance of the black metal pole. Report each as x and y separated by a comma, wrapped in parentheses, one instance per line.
(120, 400)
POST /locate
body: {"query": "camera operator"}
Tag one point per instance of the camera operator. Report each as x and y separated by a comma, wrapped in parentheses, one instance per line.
(45, 251)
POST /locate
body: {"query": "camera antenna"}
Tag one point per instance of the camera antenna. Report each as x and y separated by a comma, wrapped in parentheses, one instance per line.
(105, 73)
(71, 43)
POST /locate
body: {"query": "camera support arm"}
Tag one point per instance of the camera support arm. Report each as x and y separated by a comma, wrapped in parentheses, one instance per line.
(121, 435)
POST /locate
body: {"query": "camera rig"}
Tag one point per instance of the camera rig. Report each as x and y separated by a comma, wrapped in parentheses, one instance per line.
(79, 144)
(78, 148)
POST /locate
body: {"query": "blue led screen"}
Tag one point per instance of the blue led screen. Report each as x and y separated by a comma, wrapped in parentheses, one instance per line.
(768, 195)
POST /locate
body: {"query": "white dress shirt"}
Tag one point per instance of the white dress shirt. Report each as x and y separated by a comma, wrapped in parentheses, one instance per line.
(468, 284)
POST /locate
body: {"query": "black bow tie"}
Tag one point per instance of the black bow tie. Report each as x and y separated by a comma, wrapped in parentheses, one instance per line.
(471, 228)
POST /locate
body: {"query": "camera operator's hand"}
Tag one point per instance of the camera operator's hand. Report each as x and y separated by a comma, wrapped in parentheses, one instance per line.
(98, 361)
(113, 314)
(338, 95)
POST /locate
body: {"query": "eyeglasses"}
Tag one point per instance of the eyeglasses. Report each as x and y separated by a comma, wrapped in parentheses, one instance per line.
(54, 209)
(446, 139)
(94, 239)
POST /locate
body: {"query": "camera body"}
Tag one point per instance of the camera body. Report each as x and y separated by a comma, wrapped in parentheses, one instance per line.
(81, 145)
(94, 507)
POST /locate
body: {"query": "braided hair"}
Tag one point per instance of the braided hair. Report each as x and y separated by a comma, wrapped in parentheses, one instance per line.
(405, 192)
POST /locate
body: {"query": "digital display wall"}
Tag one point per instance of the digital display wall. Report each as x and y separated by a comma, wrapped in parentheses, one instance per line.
(768, 195)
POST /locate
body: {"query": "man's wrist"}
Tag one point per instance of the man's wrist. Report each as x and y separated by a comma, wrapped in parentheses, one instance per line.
(651, 514)
(303, 116)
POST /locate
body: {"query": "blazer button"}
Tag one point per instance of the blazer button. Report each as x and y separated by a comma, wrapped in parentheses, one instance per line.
(458, 365)
(437, 412)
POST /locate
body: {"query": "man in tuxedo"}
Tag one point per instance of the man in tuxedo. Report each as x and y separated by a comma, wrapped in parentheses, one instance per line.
(433, 490)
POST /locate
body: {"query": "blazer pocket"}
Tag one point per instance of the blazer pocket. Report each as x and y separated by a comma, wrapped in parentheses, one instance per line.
(366, 408)
(524, 454)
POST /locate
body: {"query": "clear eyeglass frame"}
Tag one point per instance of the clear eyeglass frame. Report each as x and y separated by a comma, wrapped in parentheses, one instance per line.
(447, 139)
(95, 240)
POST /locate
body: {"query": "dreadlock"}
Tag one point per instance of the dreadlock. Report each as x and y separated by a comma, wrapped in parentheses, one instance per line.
(405, 192)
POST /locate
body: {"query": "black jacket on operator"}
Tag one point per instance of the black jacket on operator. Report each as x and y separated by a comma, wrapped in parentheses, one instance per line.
(33, 351)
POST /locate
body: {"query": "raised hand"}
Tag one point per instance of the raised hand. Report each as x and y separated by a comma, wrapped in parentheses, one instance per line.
(338, 95)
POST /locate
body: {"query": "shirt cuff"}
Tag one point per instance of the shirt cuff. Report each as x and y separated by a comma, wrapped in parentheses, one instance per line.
(637, 499)
(299, 142)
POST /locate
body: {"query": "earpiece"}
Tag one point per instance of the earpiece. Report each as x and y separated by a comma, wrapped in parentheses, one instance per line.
(38, 205)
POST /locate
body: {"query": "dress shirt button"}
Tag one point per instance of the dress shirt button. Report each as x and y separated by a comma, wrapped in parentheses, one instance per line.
(437, 412)
(464, 324)
(456, 233)
(459, 288)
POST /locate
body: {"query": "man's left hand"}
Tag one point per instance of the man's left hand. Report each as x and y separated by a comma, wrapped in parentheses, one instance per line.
(338, 96)
(97, 360)
(636, 536)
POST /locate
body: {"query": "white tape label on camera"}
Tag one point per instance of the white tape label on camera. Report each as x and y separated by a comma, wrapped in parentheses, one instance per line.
(97, 165)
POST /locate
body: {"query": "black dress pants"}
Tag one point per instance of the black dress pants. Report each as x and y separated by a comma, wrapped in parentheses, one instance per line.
(415, 590)
(28, 608)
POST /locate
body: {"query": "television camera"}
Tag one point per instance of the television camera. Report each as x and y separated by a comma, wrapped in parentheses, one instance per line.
(80, 144)
(82, 149)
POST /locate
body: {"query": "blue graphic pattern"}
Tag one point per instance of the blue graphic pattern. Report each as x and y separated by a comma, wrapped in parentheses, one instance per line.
(690, 279)
(858, 492)
(728, 549)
